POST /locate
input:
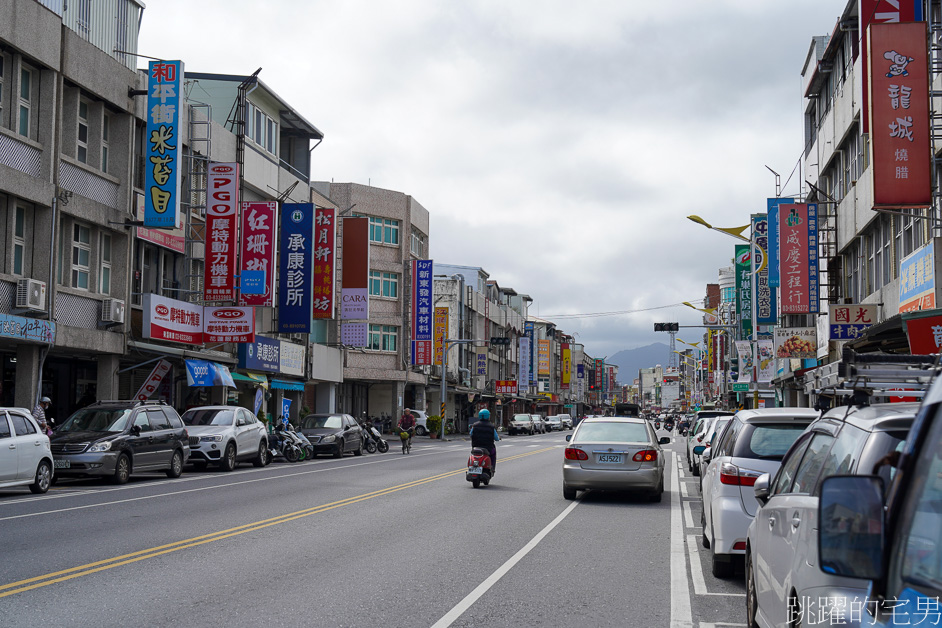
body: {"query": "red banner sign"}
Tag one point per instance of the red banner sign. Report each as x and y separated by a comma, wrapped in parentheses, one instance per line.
(925, 335)
(258, 249)
(222, 213)
(172, 320)
(798, 258)
(505, 387)
(325, 250)
(899, 110)
(153, 381)
(229, 324)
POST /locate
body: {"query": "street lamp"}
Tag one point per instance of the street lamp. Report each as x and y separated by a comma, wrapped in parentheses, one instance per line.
(736, 232)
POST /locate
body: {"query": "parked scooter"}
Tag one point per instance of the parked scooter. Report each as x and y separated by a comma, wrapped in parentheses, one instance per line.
(302, 441)
(479, 467)
(283, 445)
(373, 441)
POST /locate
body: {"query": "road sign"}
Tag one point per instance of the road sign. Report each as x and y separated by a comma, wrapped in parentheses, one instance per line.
(741, 387)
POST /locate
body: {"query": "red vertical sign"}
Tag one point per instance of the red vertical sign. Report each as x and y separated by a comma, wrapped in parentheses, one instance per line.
(881, 12)
(899, 110)
(222, 213)
(258, 249)
(325, 252)
(798, 258)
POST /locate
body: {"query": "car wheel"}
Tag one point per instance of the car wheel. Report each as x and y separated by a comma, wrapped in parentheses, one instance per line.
(43, 478)
(421, 431)
(569, 493)
(359, 450)
(339, 452)
(656, 497)
(261, 459)
(176, 465)
(752, 602)
(122, 470)
(228, 462)
(704, 541)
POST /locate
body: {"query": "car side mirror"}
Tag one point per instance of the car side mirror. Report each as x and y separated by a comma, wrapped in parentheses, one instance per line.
(568, 437)
(761, 488)
(135, 430)
(240, 422)
(851, 527)
(665, 440)
(698, 450)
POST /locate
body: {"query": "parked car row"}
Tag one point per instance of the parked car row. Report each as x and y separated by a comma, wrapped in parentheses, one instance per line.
(762, 477)
(116, 439)
(536, 424)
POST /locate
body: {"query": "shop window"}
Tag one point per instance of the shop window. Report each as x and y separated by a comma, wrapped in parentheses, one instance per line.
(81, 255)
(383, 337)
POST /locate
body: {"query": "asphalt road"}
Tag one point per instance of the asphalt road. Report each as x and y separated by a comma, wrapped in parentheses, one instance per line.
(377, 540)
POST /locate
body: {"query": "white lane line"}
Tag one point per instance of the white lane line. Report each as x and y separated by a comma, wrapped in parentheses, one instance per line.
(688, 514)
(681, 616)
(449, 618)
(683, 490)
(696, 570)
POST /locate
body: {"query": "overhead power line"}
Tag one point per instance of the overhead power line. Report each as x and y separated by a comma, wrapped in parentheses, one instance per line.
(619, 313)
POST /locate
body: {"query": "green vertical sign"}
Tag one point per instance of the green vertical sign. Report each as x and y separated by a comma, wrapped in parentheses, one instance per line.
(744, 290)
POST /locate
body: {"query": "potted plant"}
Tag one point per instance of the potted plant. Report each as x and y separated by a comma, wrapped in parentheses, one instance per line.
(434, 425)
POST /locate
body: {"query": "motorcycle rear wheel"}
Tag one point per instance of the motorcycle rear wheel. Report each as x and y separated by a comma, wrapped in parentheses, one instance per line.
(476, 483)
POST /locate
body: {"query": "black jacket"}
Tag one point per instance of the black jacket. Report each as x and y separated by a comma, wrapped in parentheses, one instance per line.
(482, 435)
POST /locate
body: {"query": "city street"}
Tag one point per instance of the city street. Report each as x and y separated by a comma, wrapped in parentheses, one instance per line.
(363, 541)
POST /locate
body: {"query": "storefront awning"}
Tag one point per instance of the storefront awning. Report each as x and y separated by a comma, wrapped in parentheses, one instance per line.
(280, 384)
(252, 378)
(206, 373)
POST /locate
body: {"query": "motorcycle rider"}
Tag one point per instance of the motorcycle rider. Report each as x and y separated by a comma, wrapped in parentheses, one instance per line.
(485, 436)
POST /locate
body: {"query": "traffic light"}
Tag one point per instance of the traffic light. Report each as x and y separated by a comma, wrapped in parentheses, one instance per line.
(500, 342)
(666, 326)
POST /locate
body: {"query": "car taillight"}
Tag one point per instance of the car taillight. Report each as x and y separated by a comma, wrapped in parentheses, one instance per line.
(740, 545)
(736, 476)
(647, 455)
(576, 454)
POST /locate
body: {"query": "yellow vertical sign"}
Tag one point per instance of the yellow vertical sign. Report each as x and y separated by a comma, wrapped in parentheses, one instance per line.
(441, 332)
(567, 365)
(543, 357)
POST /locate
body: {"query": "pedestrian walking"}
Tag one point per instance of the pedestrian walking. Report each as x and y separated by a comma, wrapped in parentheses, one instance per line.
(39, 413)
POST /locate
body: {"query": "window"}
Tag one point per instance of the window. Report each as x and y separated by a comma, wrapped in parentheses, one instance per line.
(81, 255)
(383, 337)
(384, 284)
(842, 458)
(786, 474)
(418, 242)
(105, 133)
(81, 151)
(270, 136)
(25, 102)
(259, 136)
(19, 239)
(384, 231)
(261, 129)
(810, 467)
(1, 87)
(104, 276)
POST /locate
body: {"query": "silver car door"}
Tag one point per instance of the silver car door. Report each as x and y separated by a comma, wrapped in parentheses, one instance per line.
(8, 450)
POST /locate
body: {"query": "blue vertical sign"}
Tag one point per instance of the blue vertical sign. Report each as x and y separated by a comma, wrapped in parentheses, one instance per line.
(773, 204)
(528, 330)
(285, 410)
(296, 268)
(766, 303)
(163, 145)
(422, 311)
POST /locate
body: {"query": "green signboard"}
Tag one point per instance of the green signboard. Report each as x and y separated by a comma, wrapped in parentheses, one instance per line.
(744, 289)
(741, 387)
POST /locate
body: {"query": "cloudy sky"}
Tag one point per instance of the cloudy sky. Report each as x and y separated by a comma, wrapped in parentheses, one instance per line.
(558, 145)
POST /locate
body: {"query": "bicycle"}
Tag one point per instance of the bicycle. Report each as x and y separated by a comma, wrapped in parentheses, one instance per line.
(406, 437)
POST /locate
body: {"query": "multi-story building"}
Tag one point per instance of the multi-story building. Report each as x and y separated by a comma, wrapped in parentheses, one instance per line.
(378, 379)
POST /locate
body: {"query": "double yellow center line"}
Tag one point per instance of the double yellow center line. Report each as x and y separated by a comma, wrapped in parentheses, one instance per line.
(29, 584)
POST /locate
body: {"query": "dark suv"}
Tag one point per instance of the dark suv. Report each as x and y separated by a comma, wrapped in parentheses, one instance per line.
(116, 438)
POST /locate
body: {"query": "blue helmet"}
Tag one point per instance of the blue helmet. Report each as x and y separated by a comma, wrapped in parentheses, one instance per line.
(484, 415)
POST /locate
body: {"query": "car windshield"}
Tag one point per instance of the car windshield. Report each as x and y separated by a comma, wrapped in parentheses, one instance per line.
(606, 432)
(521, 417)
(112, 420)
(327, 421)
(770, 442)
(208, 417)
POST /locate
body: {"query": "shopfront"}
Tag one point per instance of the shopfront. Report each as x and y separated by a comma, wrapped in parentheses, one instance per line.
(283, 363)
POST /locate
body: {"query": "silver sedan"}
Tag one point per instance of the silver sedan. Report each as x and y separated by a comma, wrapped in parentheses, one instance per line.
(614, 454)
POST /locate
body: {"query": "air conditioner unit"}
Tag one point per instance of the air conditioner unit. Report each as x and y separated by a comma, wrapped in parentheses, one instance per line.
(31, 295)
(112, 311)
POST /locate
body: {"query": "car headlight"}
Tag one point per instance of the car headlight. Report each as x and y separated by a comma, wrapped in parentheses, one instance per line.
(211, 439)
(328, 439)
(99, 447)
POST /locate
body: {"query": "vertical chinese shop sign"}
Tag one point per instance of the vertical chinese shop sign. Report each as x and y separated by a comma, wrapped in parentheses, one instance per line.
(325, 254)
(766, 306)
(899, 110)
(441, 333)
(295, 276)
(798, 269)
(744, 289)
(163, 145)
(259, 250)
(222, 217)
(566, 370)
(422, 312)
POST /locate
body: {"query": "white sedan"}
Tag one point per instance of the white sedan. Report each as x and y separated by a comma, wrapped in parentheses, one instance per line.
(25, 457)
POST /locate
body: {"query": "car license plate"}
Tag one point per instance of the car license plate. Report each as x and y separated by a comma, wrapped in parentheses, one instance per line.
(63, 464)
(475, 471)
(612, 458)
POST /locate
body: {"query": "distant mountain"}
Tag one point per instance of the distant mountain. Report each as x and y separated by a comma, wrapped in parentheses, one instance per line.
(630, 361)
